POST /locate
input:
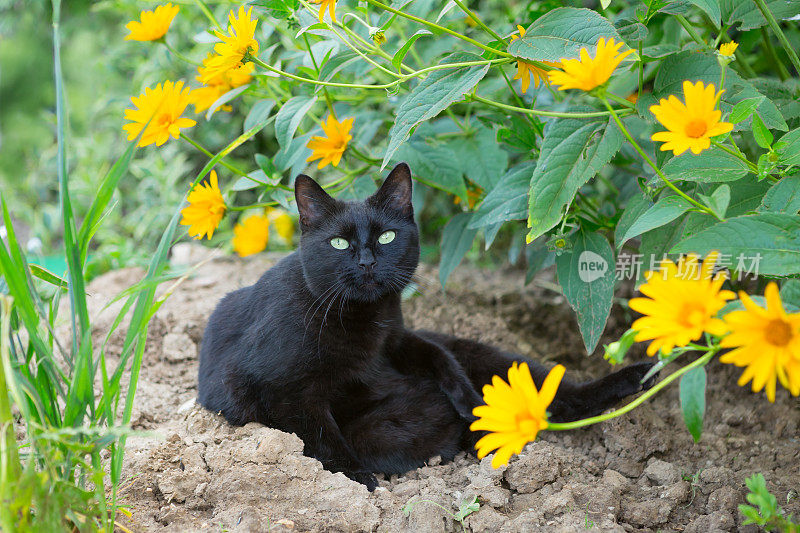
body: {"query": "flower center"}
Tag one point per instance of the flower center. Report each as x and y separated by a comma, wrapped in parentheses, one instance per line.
(164, 119)
(692, 315)
(527, 427)
(696, 128)
(778, 332)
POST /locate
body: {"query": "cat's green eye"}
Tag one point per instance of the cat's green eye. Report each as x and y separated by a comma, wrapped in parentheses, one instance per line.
(386, 237)
(340, 243)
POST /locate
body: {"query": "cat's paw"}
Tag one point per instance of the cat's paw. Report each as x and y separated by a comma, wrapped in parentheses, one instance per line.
(632, 376)
(365, 478)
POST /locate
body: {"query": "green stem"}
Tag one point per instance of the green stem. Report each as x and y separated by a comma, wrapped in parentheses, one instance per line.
(439, 28)
(8, 447)
(538, 112)
(638, 401)
(783, 73)
(207, 12)
(690, 30)
(178, 54)
(752, 166)
(479, 22)
(650, 162)
(621, 101)
(316, 69)
(776, 29)
(200, 148)
(641, 74)
(362, 156)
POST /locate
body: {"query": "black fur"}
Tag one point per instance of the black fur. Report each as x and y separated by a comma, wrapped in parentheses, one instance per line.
(317, 347)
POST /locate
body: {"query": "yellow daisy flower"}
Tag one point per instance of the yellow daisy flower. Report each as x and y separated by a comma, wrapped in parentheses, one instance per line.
(587, 73)
(205, 210)
(330, 5)
(329, 149)
(251, 235)
(514, 413)
(728, 49)
(152, 25)
(690, 126)
(681, 303)
(220, 84)
(766, 341)
(239, 41)
(282, 222)
(527, 70)
(162, 108)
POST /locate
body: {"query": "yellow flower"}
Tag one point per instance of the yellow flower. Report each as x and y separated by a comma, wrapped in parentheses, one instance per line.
(690, 126)
(514, 413)
(587, 73)
(681, 304)
(162, 107)
(728, 49)
(329, 149)
(330, 5)
(154, 24)
(205, 210)
(282, 222)
(239, 41)
(251, 235)
(220, 84)
(766, 341)
(527, 70)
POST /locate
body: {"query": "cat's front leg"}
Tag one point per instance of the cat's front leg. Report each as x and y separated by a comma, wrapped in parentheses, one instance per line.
(415, 355)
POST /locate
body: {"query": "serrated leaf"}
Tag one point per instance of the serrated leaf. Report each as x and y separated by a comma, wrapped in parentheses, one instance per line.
(289, 117)
(636, 207)
(710, 166)
(749, 16)
(258, 113)
(561, 33)
(337, 63)
(665, 210)
(789, 151)
(509, 198)
(456, 241)
(398, 56)
(586, 275)
(693, 400)
(571, 155)
(743, 109)
(433, 95)
(436, 166)
(482, 159)
(783, 197)
(712, 9)
(772, 238)
(719, 200)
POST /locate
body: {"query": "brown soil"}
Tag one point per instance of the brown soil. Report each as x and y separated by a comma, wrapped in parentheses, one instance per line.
(640, 472)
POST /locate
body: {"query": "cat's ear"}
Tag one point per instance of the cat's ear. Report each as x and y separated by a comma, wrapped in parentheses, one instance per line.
(313, 203)
(395, 193)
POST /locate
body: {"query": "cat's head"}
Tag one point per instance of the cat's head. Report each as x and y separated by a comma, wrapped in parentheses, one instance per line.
(360, 251)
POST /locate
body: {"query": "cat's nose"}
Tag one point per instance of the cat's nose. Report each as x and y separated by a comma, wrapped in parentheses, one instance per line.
(366, 260)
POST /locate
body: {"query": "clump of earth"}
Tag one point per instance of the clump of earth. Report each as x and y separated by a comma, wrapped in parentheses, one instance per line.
(188, 470)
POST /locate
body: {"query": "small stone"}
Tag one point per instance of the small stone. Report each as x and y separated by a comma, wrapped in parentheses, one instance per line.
(661, 472)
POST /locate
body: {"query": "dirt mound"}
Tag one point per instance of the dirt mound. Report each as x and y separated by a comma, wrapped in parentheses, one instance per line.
(191, 471)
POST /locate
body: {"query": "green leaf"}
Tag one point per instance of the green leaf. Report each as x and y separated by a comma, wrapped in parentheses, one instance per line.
(481, 157)
(693, 400)
(337, 63)
(637, 206)
(561, 33)
(790, 292)
(747, 14)
(761, 133)
(45, 275)
(289, 117)
(586, 274)
(665, 210)
(711, 7)
(710, 166)
(772, 238)
(457, 239)
(224, 99)
(719, 200)
(789, 149)
(398, 56)
(434, 165)
(509, 198)
(433, 95)
(258, 113)
(783, 197)
(744, 108)
(571, 155)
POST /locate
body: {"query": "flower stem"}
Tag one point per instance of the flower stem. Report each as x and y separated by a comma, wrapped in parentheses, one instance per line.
(200, 148)
(316, 69)
(435, 26)
(178, 54)
(776, 29)
(479, 22)
(753, 168)
(554, 114)
(620, 100)
(701, 361)
(207, 12)
(690, 30)
(650, 162)
(783, 73)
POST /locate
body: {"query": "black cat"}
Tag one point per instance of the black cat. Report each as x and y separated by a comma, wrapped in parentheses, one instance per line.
(317, 347)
